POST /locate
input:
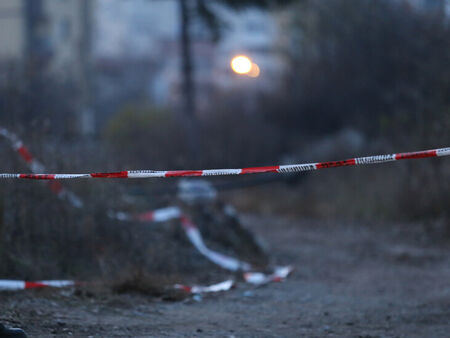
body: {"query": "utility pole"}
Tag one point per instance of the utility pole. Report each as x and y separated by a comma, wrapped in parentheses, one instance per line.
(87, 121)
(37, 54)
(186, 59)
(33, 21)
(188, 84)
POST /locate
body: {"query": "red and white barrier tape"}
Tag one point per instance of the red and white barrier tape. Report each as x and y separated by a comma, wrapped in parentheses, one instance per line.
(279, 274)
(18, 285)
(17, 145)
(223, 172)
(223, 261)
(160, 215)
(255, 278)
(14, 285)
(192, 232)
(38, 168)
(195, 289)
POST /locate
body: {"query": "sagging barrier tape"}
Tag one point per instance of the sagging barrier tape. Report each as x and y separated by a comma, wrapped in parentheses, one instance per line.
(18, 285)
(159, 215)
(192, 232)
(243, 171)
(223, 286)
(226, 262)
(38, 168)
(279, 274)
(18, 146)
(254, 278)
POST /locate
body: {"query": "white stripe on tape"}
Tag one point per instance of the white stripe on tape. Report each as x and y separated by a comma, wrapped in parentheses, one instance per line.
(223, 286)
(279, 274)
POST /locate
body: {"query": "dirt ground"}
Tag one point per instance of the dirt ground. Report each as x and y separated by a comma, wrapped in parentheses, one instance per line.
(350, 280)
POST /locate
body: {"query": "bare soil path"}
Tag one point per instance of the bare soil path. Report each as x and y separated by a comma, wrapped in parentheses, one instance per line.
(351, 280)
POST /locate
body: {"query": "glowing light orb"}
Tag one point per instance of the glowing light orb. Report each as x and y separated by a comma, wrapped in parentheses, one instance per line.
(241, 64)
(255, 71)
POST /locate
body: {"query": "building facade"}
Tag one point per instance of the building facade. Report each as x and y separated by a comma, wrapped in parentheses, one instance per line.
(133, 31)
(12, 30)
(52, 37)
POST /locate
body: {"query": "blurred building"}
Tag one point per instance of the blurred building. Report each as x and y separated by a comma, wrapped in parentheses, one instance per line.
(135, 46)
(12, 30)
(58, 30)
(145, 33)
(52, 36)
(434, 7)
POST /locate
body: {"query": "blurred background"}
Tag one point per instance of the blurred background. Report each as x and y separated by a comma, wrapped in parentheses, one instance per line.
(106, 85)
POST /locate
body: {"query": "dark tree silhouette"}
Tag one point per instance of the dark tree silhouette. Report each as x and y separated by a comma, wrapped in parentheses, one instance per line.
(203, 10)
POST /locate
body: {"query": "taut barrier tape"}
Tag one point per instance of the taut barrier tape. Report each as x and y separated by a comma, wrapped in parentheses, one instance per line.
(243, 171)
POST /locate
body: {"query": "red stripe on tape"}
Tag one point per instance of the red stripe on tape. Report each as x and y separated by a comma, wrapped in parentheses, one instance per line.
(254, 170)
(335, 164)
(185, 288)
(26, 155)
(119, 174)
(56, 187)
(417, 154)
(186, 223)
(34, 285)
(145, 216)
(38, 176)
(179, 173)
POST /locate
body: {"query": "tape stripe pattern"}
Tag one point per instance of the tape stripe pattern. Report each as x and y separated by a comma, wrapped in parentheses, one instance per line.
(18, 285)
(244, 171)
(192, 232)
(36, 168)
(279, 274)
(14, 285)
(159, 215)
